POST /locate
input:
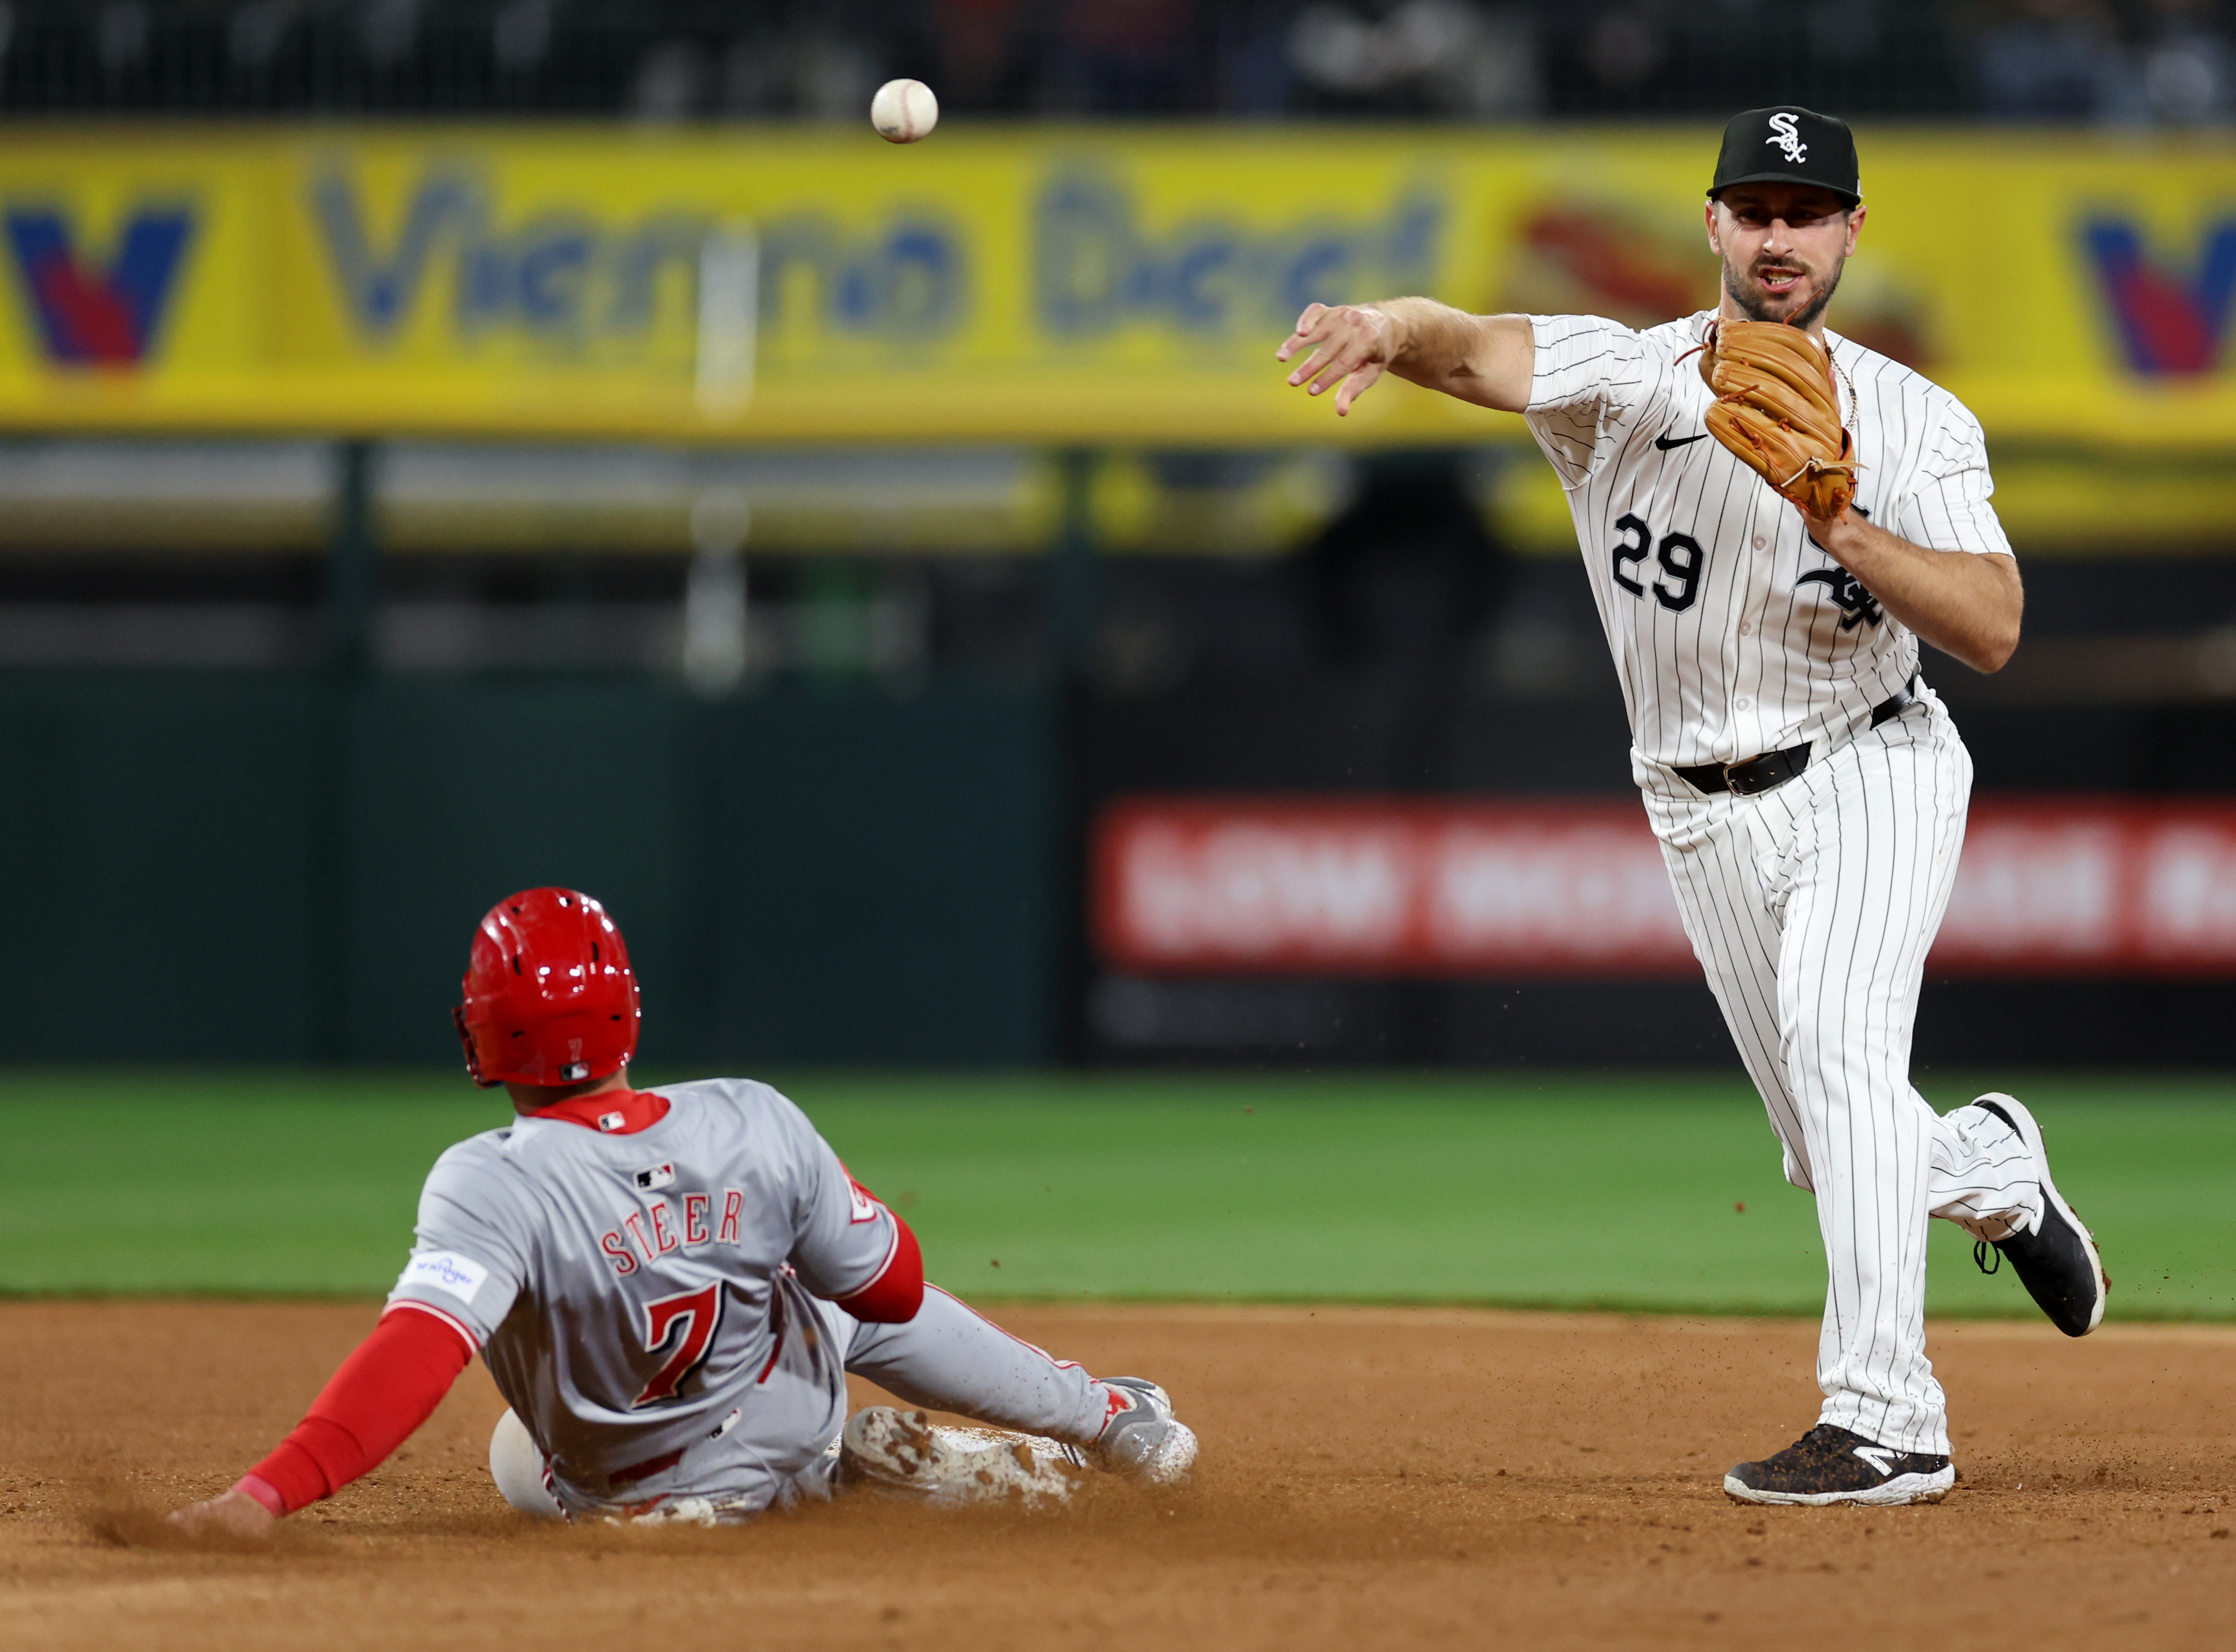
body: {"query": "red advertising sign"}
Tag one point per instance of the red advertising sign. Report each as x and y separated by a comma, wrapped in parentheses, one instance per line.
(1301, 886)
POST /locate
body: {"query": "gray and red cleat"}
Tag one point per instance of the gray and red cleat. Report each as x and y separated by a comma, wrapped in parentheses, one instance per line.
(1829, 1465)
(1142, 1439)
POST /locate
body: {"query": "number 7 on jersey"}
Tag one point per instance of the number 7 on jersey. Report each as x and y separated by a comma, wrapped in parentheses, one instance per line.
(691, 1318)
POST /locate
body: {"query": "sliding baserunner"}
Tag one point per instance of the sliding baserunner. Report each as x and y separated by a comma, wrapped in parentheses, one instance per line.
(669, 1287)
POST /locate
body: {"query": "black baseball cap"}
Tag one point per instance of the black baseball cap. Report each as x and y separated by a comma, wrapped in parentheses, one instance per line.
(1787, 144)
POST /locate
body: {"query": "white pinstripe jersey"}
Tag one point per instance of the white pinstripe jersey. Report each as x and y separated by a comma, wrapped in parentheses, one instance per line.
(1733, 633)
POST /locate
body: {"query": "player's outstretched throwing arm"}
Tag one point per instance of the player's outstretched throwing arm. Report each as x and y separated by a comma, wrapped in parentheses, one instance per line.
(1966, 604)
(1484, 359)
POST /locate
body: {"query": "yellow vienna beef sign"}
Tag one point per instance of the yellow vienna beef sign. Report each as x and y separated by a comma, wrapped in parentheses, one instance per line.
(1039, 285)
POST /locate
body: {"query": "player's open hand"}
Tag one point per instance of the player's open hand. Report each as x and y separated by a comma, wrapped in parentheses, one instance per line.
(235, 1514)
(1345, 349)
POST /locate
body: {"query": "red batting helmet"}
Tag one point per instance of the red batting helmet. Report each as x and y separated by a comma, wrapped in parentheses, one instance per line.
(550, 999)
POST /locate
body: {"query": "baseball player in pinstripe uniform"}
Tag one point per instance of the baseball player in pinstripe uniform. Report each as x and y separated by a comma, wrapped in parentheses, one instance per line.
(1807, 787)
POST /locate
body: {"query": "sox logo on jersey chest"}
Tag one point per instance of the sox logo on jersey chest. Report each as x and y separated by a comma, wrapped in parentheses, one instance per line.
(1857, 606)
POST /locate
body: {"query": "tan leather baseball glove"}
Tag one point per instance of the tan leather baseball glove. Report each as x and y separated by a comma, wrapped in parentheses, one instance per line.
(1775, 408)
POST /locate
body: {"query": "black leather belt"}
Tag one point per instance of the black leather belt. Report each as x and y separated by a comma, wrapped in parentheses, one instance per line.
(1774, 769)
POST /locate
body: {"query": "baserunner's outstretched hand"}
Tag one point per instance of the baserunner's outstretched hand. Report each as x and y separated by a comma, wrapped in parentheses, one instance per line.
(235, 1514)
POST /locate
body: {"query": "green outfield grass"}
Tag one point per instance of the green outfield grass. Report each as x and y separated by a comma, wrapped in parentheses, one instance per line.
(1618, 1191)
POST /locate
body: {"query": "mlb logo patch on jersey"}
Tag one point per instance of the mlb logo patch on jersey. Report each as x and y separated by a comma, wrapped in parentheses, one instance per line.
(659, 1176)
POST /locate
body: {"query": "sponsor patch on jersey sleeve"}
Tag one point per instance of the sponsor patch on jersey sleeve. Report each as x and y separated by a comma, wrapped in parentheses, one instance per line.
(445, 1271)
(864, 1207)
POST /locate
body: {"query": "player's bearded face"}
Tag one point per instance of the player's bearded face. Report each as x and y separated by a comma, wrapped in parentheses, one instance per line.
(1783, 286)
(1781, 263)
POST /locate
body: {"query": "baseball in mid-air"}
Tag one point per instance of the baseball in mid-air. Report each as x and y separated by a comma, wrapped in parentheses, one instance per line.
(903, 111)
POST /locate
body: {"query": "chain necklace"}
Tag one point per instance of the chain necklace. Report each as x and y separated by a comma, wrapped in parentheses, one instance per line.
(1846, 384)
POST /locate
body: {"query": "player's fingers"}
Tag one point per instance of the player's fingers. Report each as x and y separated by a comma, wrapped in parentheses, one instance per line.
(195, 1519)
(233, 1514)
(1302, 338)
(1308, 341)
(1356, 386)
(1346, 357)
(1336, 327)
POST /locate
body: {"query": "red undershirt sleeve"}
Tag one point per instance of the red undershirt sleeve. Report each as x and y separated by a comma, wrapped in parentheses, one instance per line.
(382, 1393)
(894, 1296)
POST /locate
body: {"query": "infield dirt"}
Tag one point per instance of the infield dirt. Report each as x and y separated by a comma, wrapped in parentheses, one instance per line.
(1370, 1478)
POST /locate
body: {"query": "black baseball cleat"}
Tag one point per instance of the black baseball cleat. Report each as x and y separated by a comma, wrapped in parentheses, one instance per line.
(1829, 1465)
(2057, 1261)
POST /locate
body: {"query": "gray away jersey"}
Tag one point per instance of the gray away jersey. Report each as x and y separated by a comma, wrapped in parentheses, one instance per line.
(639, 1295)
(1733, 633)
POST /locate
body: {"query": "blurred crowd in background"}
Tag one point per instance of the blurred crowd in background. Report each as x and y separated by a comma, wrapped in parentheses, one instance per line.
(2122, 61)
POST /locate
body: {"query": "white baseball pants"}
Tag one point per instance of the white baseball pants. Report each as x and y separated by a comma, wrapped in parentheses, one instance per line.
(1812, 908)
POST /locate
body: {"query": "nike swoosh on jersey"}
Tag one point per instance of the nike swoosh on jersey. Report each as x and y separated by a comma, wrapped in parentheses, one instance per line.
(1663, 441)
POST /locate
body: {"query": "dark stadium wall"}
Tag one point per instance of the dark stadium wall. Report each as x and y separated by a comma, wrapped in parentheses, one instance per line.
(267, 869)
(885, 878)
(158, 869)
(215, 867)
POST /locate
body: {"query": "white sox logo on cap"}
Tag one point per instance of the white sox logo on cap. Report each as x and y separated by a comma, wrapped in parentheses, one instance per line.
(1813, 148)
